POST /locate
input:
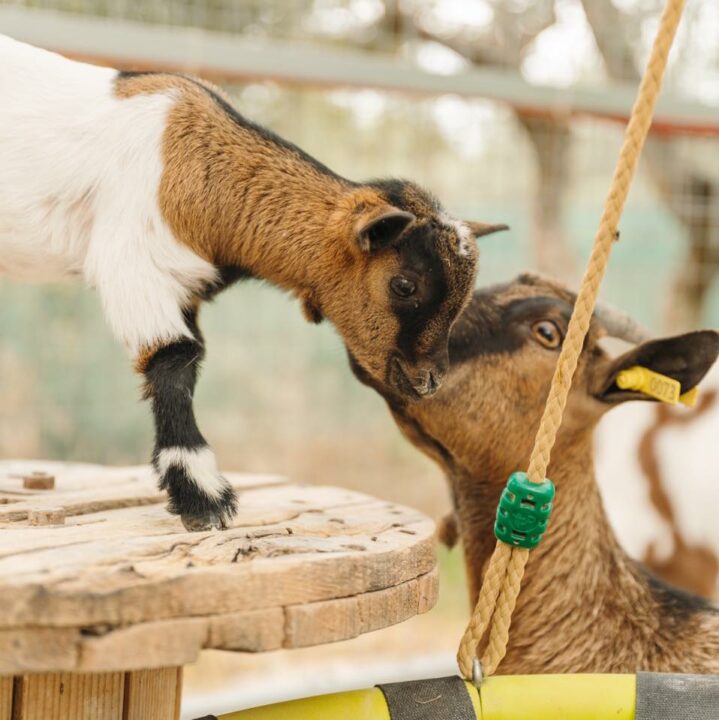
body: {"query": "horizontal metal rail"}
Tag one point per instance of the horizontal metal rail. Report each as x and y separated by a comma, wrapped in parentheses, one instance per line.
(234, 58)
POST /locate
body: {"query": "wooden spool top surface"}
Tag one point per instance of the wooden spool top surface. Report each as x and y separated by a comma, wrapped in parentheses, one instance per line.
(117, 584)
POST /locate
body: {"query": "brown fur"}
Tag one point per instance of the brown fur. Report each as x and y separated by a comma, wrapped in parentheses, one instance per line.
(448, 531)
(238, 198)
(381, 260)
(142, 360)
(222, 216)
(585, 606)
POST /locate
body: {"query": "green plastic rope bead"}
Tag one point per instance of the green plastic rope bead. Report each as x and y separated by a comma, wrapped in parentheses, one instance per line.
(523, 511)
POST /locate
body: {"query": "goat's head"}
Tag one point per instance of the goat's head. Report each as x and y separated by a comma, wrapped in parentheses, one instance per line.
(503, 351)
(409, 271)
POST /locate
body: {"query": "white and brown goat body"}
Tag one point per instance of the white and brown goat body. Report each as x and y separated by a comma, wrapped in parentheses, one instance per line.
(585, 606)
(152, 189)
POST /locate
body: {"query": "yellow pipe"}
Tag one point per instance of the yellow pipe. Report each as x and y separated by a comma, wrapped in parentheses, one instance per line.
(559, 697)
(509, 697)
(355, 705)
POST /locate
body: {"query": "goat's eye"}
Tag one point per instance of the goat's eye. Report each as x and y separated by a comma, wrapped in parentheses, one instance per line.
(547, 333)
(402, 287)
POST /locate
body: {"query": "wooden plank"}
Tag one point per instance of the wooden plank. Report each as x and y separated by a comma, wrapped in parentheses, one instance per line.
(252, 631)
(92, 489)
(178, 642)
(70, 478)
(144, 646)
(6, 698)
(126, 588)
(76, 696)
(259, 508)
(153, 694)
(394, 605)
(290, 580)
(118, 576)
(428, 591)
(322, 622)
(41, 650)
(333, 620)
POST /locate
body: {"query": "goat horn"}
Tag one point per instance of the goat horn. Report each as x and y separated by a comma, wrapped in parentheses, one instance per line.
(620, 325)
(480, 229)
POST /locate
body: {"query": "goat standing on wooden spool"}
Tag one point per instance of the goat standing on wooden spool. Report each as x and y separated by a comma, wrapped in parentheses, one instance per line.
(155, 191)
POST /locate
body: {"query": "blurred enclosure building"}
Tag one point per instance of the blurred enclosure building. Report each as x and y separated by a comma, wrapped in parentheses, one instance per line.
(509, 110)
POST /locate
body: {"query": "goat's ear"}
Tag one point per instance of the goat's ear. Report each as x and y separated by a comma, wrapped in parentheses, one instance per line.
(382, 228)
(686, 358)
(479, 229)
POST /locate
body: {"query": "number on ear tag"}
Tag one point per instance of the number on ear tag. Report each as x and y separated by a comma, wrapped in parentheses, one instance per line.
(648, 382)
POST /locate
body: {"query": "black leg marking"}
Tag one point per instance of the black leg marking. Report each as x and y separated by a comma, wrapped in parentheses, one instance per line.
(182, 458)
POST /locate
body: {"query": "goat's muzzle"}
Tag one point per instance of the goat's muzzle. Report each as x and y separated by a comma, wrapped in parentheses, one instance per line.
(415, 382)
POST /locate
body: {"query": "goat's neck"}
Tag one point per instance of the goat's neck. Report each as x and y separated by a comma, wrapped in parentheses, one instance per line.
(263, 208)
(584, 605)
(285, 229)
(578, 528)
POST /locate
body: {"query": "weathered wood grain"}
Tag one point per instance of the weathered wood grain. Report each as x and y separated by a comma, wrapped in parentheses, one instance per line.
(38, 650)
(80, 696)
(6, 698)
(344, 618)
(252, 631)
(163, 643)
(121, 586)
(84, 489)
(153, 694)
(145, 646)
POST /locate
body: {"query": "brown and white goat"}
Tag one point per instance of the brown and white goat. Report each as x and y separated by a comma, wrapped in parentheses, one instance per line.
(585, 606)
(654, 463)
(155, 191)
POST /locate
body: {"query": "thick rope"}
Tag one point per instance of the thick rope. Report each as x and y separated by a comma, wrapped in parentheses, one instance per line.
(502, 581)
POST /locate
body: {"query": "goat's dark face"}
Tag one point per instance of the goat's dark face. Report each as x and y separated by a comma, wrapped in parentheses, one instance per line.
(503, 351)
(413, 273)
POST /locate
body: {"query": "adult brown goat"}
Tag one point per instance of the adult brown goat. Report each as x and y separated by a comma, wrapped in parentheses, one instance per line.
(585, 606)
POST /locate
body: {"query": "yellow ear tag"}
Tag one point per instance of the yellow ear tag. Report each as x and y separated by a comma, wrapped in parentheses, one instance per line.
(690, 397)
(648, 382)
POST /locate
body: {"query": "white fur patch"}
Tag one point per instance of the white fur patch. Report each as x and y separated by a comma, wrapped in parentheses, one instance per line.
(464, 234)
(80, 171)
(200, 466)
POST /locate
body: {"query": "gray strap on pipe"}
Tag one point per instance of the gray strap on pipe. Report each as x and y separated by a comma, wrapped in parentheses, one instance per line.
(436, 699)
(664, 696)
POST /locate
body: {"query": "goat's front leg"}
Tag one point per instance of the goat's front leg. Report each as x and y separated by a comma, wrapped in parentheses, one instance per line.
(149, 286)
(182, 458)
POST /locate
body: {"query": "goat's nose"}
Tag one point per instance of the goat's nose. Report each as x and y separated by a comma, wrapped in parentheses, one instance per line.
(427, 383)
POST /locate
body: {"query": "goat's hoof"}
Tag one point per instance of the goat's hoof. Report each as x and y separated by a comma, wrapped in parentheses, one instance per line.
(202, 523)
